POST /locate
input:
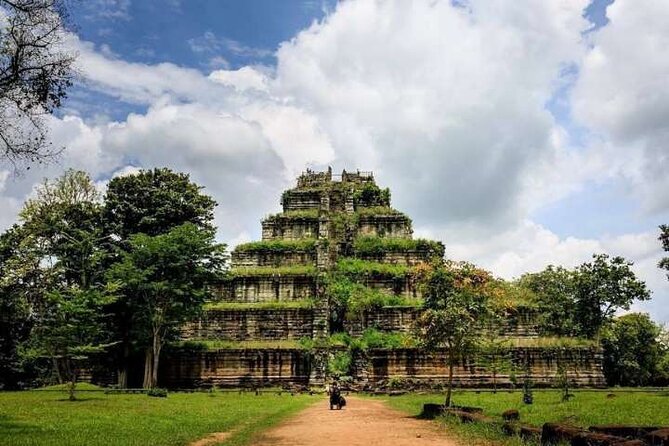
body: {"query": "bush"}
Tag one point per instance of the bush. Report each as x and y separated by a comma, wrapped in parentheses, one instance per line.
(373, 338)
(371, 195)
(278, 246)
(340, 364)
(158, 393)
(294, 270)
(380, 245)
(359, 269)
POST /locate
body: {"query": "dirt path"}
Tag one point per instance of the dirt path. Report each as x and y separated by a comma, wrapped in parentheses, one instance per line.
(364, 422)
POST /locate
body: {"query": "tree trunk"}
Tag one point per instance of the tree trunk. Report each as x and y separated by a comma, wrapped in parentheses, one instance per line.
(72, 385)
(122, 378)
(148, 368)
(450, 381)
(56, 367)
(494, 381)
(157, 345)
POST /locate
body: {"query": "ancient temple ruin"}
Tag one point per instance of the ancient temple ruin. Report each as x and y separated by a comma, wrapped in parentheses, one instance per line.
(273, 321)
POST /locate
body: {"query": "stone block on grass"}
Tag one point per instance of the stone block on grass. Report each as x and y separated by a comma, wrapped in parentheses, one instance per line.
(511, 415)
(555, 433)
(595, 439)
(659, 437)
(626, 431)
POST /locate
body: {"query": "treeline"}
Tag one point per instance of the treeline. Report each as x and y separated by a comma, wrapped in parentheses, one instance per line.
(583, 302)
(89, 279)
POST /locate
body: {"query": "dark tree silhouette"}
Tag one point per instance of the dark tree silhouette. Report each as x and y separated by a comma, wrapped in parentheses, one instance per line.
(36, 70)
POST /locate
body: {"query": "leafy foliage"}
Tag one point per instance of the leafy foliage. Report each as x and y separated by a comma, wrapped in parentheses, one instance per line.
(349, 299)
(633, 353)
(378, 210)
(554, 290)
(455, 308)
(603, 287)
(296, 214)
(154, 201)
(278, 246)
(379, 245)
(290, 270)
(580, 302)
(358, 269)
(664, 238)
(71, 327)
(167, 275)
(56, 264)
(150, 202)
(340, 363)
(369, 194)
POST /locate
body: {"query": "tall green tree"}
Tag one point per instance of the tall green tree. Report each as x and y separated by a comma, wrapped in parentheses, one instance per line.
(15, 318)
(603, 287)
(71, 329)
(454, 312)
(167, 275)
(633, 351)
(150, 202)
(554, 290)
(61, 251)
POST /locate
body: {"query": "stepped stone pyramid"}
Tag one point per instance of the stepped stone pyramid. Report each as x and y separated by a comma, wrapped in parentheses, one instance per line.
(271, 321)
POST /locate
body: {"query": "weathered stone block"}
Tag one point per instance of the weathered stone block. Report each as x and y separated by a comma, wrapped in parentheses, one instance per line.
(554, 433)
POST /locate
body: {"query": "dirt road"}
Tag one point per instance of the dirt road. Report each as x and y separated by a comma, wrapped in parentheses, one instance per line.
(364, 422)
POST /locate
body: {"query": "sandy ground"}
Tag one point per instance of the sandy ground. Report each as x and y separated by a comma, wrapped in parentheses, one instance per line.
(363, 422)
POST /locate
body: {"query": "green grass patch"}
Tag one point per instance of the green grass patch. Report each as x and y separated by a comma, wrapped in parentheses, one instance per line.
(278, 246)
(273, 305)
(380, 245)
(359, 269)
(587, 408)
(553, 342)
(293, 270)
(301, 214)
(48, 419)
(378, 210)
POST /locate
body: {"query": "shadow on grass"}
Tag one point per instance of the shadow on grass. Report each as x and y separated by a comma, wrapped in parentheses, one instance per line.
(13, 426)
(79, 400)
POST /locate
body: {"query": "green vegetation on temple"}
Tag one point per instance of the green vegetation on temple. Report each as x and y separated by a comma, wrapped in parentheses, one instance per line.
(359, 269)
(367, 245)
(272, 305)
(301, 214)
(350, 299)
(259, 271)
(278, 246)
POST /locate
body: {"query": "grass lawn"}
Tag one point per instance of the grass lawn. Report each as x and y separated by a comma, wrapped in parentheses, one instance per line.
(47, 418)
(587, 408)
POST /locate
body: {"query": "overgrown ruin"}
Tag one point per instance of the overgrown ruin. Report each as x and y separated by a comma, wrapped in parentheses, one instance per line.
(277, 320)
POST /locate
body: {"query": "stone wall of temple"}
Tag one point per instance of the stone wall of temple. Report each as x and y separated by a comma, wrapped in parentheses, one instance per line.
(583, 367)
(391, 226)
(408, 258)
(266, 289)
(235, 368)
(290, 229)
(268, 258)
(252, 324)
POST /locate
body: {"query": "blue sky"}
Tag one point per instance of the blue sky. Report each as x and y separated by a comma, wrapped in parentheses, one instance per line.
(520, 133)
